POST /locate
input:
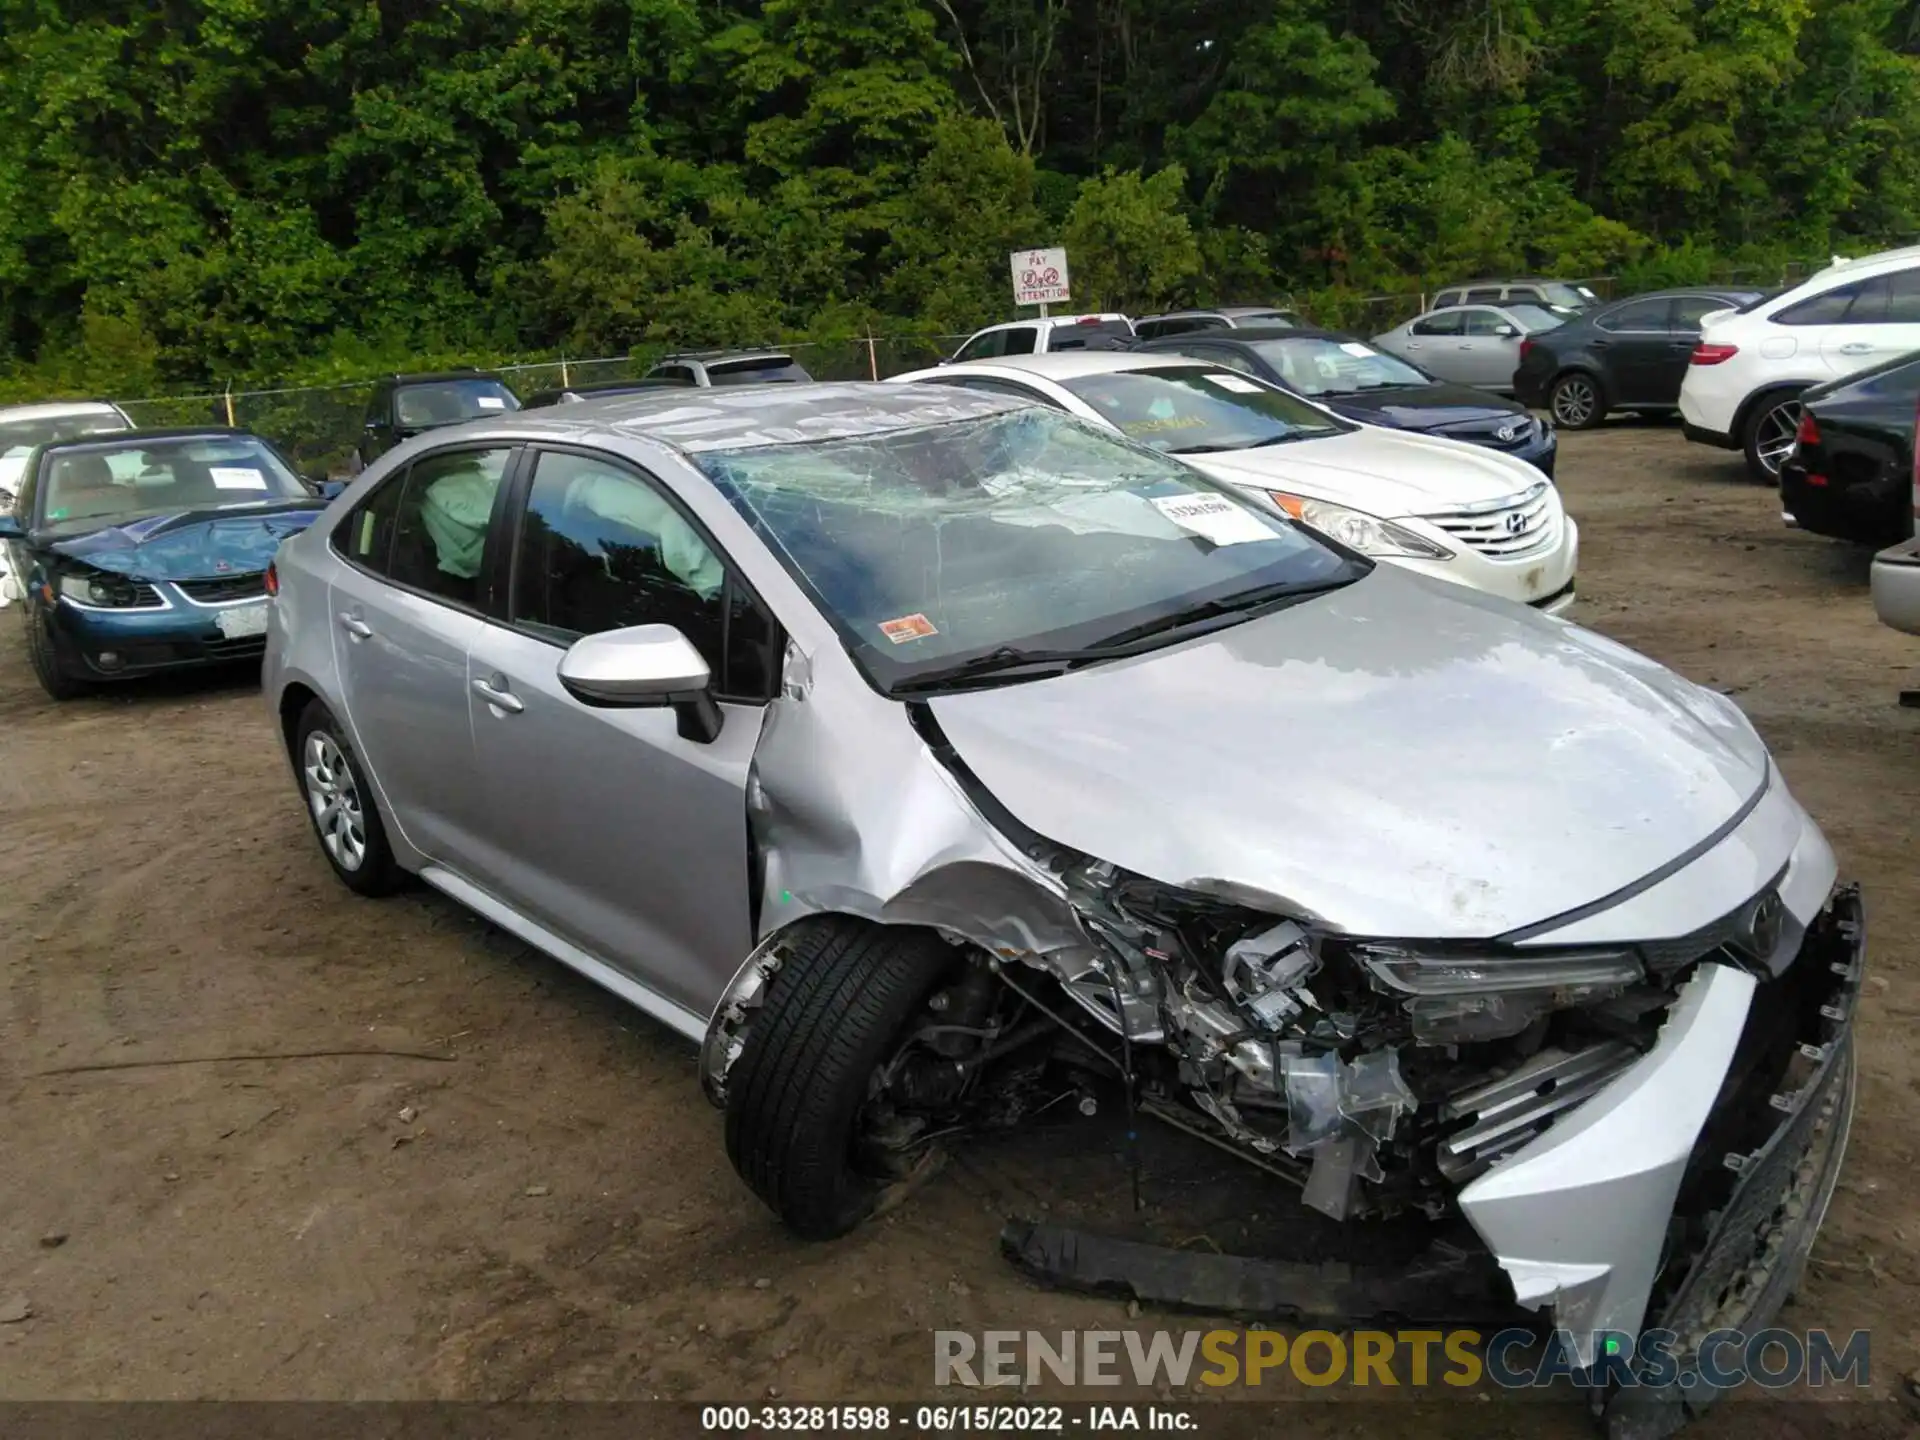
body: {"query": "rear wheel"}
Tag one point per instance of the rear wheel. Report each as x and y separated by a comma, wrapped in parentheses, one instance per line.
(1575, 401)
(807, 1127)
(341, 807)
(1770, 431)
(50, 668)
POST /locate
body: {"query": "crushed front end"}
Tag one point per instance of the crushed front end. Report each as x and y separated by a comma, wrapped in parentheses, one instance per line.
(1641, 1135)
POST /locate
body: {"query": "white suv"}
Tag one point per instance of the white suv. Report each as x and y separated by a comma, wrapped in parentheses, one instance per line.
(1742, 390)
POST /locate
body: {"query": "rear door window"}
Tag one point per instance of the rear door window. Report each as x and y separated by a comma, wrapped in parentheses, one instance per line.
(1446, 323)
(1903, 298)
(1642, 316)
(438, 524)
(1861, 303)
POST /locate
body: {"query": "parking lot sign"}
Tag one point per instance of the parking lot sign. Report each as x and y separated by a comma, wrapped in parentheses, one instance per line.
(1039, 277)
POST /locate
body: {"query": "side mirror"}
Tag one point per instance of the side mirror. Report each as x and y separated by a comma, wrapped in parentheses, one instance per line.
(644, 667)
(327, 489)
(10, 527)
(1506, 332)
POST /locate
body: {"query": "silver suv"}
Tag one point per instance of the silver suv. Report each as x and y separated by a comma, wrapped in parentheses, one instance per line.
(705, 368)
(1558, 295)
(928, 755)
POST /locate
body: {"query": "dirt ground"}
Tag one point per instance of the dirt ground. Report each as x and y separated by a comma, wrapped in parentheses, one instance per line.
(549, 1212)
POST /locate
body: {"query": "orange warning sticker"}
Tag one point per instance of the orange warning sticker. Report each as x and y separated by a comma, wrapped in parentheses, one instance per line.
(907, 627)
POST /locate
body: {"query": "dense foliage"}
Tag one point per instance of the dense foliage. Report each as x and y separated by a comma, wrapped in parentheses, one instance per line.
(197, 190)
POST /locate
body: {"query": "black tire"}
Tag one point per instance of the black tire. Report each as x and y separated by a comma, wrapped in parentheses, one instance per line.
(834, 1013)
(367, 868)
(1576, 401)
(1771, 417)
(43, 652)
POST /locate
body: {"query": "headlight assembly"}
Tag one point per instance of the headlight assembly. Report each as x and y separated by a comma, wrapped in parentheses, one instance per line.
(1457, 998)
(99, 590)
(1359, 531)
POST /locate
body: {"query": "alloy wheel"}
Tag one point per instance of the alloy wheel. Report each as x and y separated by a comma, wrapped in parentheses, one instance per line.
(1774, 434)
(1574, 401)
(333, 795)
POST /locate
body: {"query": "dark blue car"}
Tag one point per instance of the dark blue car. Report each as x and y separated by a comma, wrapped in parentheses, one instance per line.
(147, 551)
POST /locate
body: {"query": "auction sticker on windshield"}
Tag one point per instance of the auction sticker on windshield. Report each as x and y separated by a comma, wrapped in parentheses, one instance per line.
(489, 402)
(1214, 518)
(1235, 384)
(235, 477)
(907, 627)
(1357, 350)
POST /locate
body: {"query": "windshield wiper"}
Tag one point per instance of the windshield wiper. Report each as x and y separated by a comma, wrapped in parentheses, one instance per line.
(1248, 445)
(1000, 660)
(1247, 605)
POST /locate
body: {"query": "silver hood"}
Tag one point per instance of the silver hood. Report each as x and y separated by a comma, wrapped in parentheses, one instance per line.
(1400, 758)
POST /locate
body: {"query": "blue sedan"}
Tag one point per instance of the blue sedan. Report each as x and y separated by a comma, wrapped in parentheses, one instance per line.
(147, 551)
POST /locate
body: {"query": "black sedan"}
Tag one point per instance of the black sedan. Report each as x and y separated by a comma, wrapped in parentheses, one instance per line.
(1630, 355)
(1352, 378)
(1850, 474)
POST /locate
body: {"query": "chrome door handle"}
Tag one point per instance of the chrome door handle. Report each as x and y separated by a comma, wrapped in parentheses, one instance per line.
(1856, 348)
(503, 699)
(356, 627)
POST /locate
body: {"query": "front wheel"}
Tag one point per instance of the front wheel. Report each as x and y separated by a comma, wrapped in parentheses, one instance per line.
(1576, 403)
(43, 651)
(806, 1122)
(1771, 431)
(341, 807)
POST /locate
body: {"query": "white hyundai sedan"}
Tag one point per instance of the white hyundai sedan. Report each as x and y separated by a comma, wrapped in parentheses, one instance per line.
(1456, 512)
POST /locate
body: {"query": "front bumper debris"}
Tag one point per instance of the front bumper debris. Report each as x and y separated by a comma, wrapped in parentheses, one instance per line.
(1748, 1087)
(1448, 1284)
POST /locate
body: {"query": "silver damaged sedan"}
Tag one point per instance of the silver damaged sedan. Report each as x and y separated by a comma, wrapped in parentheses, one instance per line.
(909, 746)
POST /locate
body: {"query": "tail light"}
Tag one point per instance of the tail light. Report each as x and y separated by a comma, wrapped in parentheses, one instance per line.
(1526, 344)
(1705, 354)
(270, 582)
(1809, 432)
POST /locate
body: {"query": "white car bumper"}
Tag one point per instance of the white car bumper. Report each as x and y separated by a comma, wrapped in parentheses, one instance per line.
(1543, 578)
(1896, 586)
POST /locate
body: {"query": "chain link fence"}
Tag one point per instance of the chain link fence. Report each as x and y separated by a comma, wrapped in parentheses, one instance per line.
(317, 426)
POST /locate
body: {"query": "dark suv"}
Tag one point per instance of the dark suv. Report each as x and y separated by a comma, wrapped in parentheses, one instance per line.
(403, 406)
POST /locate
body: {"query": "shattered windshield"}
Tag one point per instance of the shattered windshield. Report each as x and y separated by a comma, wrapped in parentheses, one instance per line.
(1197, 409)
(1027, 529)
(116, 483)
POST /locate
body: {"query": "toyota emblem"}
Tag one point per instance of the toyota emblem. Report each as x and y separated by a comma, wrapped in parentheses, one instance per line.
(1516, 522)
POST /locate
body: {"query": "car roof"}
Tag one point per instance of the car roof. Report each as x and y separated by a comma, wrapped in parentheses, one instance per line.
(1228, 310)
(1246, 334)
(696, 420)
(54, 409)
(1071, 364)
(176, 432)
(1512, 280)
(709, 357)
(433, 377)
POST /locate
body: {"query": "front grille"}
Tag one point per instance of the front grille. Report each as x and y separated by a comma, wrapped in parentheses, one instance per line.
(1503, 529)
(1505, 1114)
(225, 587)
